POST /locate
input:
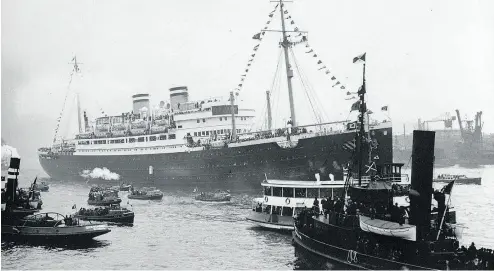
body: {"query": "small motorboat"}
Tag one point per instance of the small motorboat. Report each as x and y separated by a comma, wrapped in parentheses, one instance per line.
(218, 196)
(43, 187)
(113, 213)
(105, 201)
(52, 227)
(125, 187)
(459, 179)
(103, 196)
(146, 194)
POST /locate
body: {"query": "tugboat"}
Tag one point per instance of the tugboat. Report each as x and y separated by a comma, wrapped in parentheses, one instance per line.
(52, 227)
(218, 196)
(113, 213)
(282, 199)
(19, 221)
(146, 194)
(374, 232)
(103, 197)
(16, 203)
(459, 179)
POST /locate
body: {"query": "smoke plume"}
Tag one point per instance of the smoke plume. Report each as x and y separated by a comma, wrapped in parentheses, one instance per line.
(99, 173)
(7, 153)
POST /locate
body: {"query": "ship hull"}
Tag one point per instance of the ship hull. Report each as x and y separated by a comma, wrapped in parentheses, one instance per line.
(238, 169)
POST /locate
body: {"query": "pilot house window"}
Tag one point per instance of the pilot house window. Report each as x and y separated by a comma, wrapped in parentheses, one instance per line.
(288, 192)
(277, 191)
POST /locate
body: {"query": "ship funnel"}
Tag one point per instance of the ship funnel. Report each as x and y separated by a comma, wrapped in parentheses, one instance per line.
(178, 96)
(140, 101)
(421, 186)
(12, 184)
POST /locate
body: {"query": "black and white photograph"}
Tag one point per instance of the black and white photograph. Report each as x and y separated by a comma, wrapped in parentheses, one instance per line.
(247, 135)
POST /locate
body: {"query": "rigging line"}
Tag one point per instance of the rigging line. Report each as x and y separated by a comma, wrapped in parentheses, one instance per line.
(264, 112)
(276, 77)
(277, 92)
(63, 108)
(305, 88)
(310, 95)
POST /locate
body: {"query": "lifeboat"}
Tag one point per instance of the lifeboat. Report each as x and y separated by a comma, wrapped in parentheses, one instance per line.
(388, 228)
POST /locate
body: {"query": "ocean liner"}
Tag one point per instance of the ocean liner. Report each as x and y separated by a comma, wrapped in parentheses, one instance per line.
(209, 143)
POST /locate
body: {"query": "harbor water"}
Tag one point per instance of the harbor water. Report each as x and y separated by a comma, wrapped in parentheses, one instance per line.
(181, 233)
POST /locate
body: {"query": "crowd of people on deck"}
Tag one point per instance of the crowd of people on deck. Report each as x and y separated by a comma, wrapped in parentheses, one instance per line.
(94, 212)
(337, 214)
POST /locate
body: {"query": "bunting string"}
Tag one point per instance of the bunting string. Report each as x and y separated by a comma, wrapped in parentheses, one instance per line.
(258, 37)
(59, 119)
(301, 38)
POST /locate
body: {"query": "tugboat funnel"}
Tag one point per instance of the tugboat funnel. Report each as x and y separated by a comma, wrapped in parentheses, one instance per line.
(422, 174)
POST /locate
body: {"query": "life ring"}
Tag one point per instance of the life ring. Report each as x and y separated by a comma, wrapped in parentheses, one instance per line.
(266, 199)
(407, 199)
(287, 200)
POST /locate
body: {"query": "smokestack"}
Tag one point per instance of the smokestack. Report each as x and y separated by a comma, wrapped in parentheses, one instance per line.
(422, 174)
(12, 184)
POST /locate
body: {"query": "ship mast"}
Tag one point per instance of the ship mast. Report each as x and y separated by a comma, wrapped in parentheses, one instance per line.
(361, 133)
(79, 113)
(289, 72)
(268, 104)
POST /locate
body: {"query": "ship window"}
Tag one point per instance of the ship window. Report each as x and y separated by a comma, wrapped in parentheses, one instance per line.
(198, 120)
(172, 136)
(162, 137)
(267, 191)
(326, 193)
(277, 191)
(203, 133)
(312, 193)
(287, 192)
(195, 133)
(277, 210)
(207, 133)
(203, 120)
(152, 138)
(180, 126)
(226, 118)
(132, 140)
(140, 139)
(221, 118)
(287, 211)
(300, 192)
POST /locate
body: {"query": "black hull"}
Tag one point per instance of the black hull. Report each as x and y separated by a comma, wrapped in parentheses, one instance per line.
(8, 233)
(103, 203)
(348, 258)
(238, 169)
(137, 197)
(125, 219)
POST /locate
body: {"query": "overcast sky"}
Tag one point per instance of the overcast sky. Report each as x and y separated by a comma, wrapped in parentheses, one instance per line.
(424, 58)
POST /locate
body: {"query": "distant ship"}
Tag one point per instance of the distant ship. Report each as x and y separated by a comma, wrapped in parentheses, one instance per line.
(209, 143)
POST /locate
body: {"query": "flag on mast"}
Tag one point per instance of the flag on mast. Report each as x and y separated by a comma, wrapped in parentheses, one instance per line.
(360, 57)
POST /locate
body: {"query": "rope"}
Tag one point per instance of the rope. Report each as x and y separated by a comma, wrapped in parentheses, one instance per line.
(305, 88)
(63, 108)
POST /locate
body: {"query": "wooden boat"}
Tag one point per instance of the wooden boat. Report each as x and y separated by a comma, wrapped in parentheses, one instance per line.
(113, 213)
(104, 201)
(52, 227)
(103, 196)
(388, 228)
(459, 179)
(218, 196)
(146, 194)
